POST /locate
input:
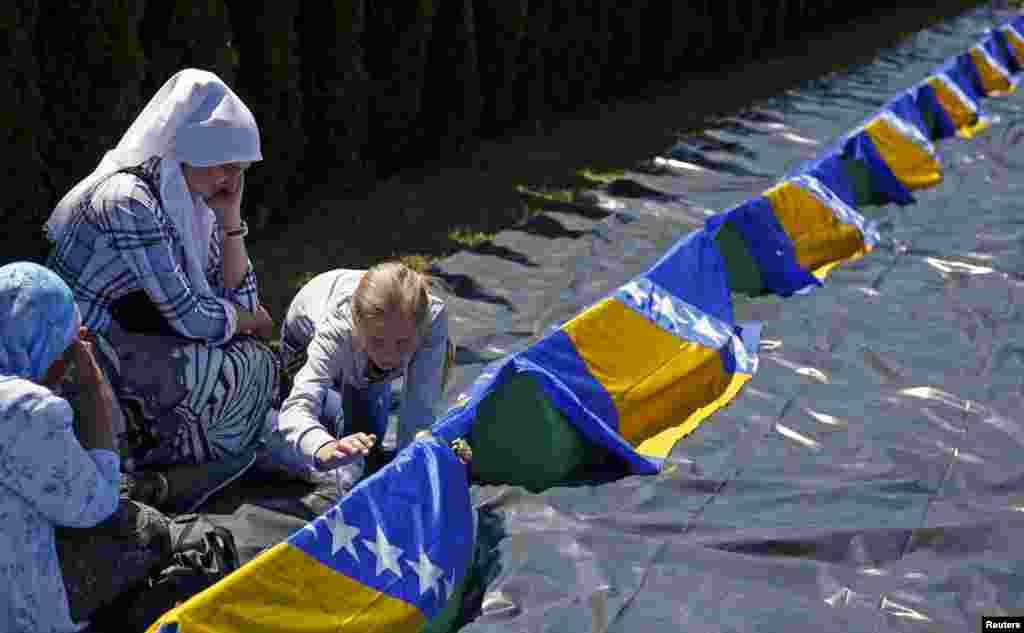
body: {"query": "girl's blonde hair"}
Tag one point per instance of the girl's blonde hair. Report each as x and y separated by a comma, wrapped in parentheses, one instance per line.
(394, 288)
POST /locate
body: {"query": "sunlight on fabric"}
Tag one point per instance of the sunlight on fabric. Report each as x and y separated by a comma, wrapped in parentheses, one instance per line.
(840, 598)
(672, 163)
(495, 603)
(941, 423)
(970, 458)
(931, 393)
(983, 256)
(789, 433)
(810, 372)
(825, 418)
(946, 266)
(813, 373)
(871, 292)
(802, 140)
(902, 611)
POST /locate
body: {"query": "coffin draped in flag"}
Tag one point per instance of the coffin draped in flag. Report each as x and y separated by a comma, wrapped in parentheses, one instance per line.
(789, 238)
(898, 157)
(938, 121)
(1014, 38)
(959, 90)
(630, 375)
(994, 65)
(388, 557)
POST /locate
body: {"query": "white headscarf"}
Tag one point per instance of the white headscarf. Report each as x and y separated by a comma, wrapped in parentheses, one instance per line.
(194, 118)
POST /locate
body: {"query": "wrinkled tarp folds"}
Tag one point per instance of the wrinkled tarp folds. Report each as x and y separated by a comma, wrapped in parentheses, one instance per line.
(868, 478)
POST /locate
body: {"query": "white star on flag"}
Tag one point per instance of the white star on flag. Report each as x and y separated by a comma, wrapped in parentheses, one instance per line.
(449, 586)
(636, 293)
(703, 326)
(342, 534)
(428, 572)
(387, 554)
(665, 308)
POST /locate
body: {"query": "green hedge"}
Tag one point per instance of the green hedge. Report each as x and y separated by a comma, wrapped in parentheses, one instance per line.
(354, 88)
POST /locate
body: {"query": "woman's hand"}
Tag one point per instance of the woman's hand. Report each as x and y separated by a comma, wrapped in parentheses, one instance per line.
(343, 451)
(227, 202)
(258, 323)
(265, 323)
(100, 411)
(83, 355)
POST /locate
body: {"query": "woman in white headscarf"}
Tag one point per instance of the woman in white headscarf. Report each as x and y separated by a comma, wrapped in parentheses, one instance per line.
(152, 244)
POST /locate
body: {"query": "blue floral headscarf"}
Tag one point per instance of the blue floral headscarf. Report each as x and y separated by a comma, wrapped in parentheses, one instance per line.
(38, 320)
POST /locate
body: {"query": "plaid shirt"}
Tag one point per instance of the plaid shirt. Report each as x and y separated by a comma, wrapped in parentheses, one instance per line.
(120, 241)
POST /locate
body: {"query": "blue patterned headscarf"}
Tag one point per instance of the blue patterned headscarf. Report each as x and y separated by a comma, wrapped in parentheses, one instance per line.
(38, 320)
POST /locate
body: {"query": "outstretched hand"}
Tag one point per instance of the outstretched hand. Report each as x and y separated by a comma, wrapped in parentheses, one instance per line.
(345, 450)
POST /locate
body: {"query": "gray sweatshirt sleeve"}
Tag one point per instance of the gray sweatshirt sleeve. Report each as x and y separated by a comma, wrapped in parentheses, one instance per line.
(423, 382)
(299, 421)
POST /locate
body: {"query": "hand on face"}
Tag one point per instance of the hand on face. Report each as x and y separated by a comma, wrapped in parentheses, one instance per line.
(226, 200)
(83, 354)
(221, 186)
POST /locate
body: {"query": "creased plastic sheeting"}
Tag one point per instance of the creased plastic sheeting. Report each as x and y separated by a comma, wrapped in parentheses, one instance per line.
(386, 558)
(868, 481)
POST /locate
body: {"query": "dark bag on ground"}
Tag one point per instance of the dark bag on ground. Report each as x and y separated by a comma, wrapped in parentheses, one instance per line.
(102, 562)
(203, 553)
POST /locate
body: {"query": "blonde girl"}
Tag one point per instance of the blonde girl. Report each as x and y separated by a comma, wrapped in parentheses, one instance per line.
(347, 335)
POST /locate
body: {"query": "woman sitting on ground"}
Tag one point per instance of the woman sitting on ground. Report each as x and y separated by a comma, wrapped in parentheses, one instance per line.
(347, 335)
(152, 245)
(49, 477)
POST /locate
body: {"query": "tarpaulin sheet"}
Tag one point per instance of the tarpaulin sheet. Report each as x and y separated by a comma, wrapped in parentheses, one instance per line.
(869, 477)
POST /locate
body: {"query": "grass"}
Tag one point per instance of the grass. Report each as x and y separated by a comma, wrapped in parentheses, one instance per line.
(301, 279)
(581, 180)
(469, 237)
